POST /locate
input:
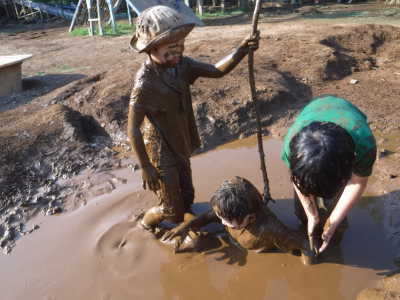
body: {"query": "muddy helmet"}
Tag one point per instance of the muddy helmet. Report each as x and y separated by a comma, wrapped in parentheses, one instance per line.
(159, 24)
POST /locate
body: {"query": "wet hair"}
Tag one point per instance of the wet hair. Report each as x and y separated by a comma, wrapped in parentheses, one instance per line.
(235, 199)
(321, 159)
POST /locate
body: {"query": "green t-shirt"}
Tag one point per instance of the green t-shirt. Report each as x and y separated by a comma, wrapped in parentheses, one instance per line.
(344, 114)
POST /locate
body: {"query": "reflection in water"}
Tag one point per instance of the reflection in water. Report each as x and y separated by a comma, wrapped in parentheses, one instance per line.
(208, 277)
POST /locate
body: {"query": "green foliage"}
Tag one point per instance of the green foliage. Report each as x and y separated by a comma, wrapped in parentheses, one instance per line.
(121, 29)
(80, 31)
(220, 14)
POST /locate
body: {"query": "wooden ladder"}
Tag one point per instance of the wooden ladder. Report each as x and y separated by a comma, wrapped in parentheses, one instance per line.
(92, 19)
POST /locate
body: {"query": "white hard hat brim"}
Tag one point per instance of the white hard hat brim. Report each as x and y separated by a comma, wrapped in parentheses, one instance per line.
(174, 34)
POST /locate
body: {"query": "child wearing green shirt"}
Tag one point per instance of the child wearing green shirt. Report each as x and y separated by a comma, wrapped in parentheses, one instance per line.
(330, 151)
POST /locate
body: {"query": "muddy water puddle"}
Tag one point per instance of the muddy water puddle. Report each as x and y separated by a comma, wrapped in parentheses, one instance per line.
(98, 252)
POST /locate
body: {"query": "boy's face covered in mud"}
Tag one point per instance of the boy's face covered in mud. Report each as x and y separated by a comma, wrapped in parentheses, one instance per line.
(236, 203)
(169, 55)
(234, 224)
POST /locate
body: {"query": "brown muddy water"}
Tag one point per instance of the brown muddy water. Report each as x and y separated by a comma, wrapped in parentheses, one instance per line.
(96, 251)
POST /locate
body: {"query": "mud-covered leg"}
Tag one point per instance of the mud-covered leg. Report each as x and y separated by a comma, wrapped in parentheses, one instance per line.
(186, 185)
(190, 241)
(170, 200)
(170, 194)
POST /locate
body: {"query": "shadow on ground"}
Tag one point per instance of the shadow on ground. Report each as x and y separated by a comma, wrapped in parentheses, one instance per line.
(36, 86)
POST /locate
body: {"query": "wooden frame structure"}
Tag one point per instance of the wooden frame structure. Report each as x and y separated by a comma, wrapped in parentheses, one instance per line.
(106, 9)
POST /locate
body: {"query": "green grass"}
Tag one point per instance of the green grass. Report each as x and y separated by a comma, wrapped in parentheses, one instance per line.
(121, 29)
(80, 31)
(220, 14)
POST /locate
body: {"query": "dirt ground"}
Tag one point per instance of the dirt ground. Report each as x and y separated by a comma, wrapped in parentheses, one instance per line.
(71, 115)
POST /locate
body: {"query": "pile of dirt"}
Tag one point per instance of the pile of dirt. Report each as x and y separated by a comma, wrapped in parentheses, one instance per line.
(50, 146)
(227, 113)
(333, 57)
(362, 49)
(387, 288)
(104, 97)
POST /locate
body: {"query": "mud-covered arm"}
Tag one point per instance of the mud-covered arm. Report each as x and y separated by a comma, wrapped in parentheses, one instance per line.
(193, 224)
(136, 114)
(135, 120)
(289, 241)
(351, 194)
(226, 64)
(274, 231)
(204, 219)
(310, 208)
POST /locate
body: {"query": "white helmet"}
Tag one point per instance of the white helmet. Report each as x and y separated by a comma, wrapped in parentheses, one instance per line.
(159, 24)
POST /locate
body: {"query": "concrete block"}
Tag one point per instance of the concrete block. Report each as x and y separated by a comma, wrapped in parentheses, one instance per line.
(11, 73)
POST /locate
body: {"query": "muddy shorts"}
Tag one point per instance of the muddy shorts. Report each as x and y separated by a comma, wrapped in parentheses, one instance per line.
(177, 193)
(325, 207)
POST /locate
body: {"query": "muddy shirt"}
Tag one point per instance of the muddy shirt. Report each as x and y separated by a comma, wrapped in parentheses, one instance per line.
(163, 94)
(346, 115)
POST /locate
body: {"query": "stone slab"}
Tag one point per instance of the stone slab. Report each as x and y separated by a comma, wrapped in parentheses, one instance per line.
(11, 73)
(9, 60)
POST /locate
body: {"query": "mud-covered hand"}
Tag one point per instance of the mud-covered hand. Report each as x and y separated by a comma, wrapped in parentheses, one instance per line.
(313, 237)
(329, 230)
(150, 178)
(180, 230)
(250, 42)
(178, 233)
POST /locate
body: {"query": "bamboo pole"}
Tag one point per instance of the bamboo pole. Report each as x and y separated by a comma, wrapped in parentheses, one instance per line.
(267, 194)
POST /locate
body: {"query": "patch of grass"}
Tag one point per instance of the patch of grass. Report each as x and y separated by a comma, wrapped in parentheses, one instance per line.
(80, 31)
(220, 14)
(121, 29)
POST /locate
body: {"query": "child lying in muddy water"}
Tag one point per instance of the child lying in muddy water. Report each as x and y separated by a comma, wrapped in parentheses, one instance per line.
(238, 206)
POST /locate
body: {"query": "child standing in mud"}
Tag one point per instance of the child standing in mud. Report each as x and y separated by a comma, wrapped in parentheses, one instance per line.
(239, 207)
(161, 122)
(330, 151)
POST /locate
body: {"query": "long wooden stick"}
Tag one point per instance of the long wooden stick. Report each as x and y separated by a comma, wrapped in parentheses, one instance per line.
(267, 195)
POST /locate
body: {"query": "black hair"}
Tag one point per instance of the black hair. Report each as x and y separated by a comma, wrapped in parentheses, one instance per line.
(235, 199)
(321, 159)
